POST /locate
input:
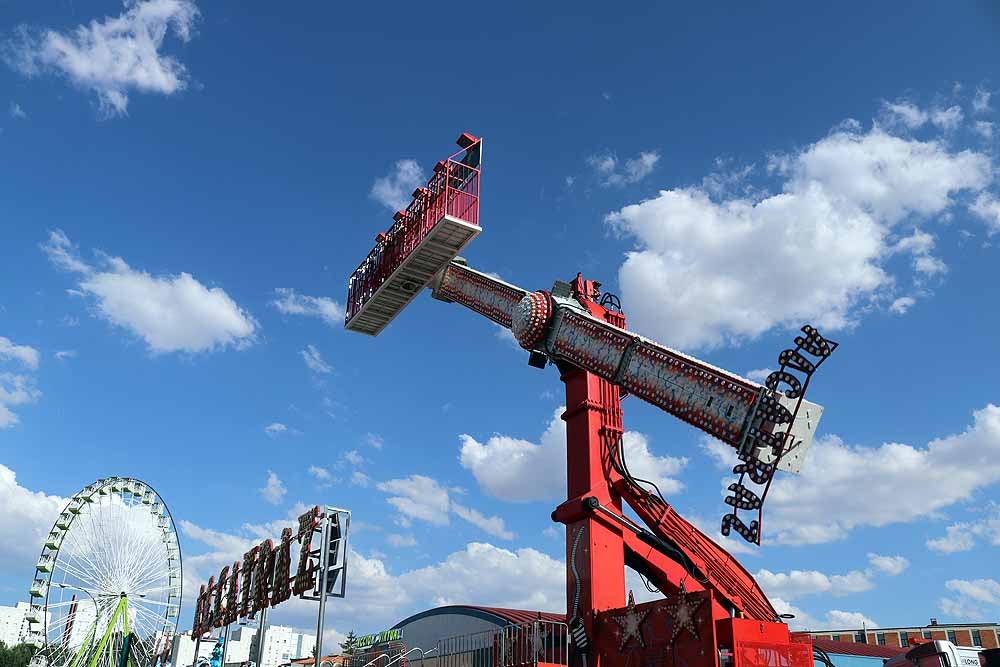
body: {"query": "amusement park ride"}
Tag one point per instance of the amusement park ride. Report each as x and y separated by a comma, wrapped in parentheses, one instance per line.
(713, 614)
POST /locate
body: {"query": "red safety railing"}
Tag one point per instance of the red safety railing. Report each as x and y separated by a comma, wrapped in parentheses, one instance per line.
(453, 190)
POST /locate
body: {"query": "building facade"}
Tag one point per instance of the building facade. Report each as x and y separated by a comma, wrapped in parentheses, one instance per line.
(12, 624)
(283, 644)
(983, 635)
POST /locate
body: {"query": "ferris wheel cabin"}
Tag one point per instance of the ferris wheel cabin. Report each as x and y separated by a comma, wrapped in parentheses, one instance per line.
(442, 218)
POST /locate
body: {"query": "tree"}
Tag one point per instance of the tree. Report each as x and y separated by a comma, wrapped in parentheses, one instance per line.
(350, 644)
(17, 656)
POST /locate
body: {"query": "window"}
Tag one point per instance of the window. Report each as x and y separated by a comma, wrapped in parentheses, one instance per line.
(926, 634)
(860, 638)
(835, 638)
(904, 639)
(880, 638)
(951, 637)
(977, 638)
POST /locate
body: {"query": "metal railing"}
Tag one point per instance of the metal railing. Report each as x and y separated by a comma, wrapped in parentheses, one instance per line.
(453, 190)
(516, 645)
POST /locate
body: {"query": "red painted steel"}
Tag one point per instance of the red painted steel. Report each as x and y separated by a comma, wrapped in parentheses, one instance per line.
(452, 190)
(595, 556)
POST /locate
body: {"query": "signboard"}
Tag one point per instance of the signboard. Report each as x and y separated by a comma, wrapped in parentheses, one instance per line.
(264, 577)
(367, 641)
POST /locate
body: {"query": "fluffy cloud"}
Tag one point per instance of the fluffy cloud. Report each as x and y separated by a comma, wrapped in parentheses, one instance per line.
(844, 486)
(975, 599)
(24, 354)
(358, 478)
(274, 489)
(612, 171)
(395, 189)
(314, 360)
(423, 498)
(290, 302)
(797, 583)
(170, 313)
(275, 428)
(707, 268)
(16, 388)
(913, 117)
(891, 565)
(987, 207)
(398, 540)
(112, 56)
(519, 470)
(835, 619)
(16, 112)
(26, 517)
(963, 536)
(981, 101)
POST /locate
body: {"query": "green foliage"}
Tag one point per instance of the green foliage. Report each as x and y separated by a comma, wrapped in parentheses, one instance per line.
(18, 656)
(347, 647)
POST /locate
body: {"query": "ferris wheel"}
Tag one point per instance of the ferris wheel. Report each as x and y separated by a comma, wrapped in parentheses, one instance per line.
(107, 586)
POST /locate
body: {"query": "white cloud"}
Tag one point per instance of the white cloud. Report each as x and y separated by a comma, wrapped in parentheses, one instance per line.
(983, 590)
(290, 302)
(374, 440)
(826, 238)
(423, 498)
(843, 486)
(274, 490)
(64, 354)
(25, 354)
(901, 305)
(981, 101)
(482, 575)
(418, 497)
(913, 117)
(16, 388)
(975, 599)
(16, 111)
(519, 470)
(987, 207)
(322, 474)
(891, 565)
(491, 525)
(358, 478)
(395, 190)
(983, 128)
(275, 428)
(170, 313)
(963, 536)
(114, 55)
(759, 374)
(848, 619)
(795, 584)
(835, 619)
(614, 172)
(314, 360)
(26, 517)
(398, 540)
(353, 457)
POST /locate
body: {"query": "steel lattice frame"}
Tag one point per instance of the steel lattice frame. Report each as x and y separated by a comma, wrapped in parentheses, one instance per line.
(108, 582)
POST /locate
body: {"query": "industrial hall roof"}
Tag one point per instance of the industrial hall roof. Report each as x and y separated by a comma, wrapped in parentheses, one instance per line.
(499, 615)
(857, 648)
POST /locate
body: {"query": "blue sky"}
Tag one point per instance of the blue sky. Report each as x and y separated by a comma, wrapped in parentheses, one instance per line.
(181, 211)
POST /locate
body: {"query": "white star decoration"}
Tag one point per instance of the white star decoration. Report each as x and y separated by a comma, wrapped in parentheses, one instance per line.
(631, 623)
(682, 613)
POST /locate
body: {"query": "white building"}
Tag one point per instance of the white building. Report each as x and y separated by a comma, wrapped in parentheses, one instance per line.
(283, 644)
(182, 653)
(12, 624)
